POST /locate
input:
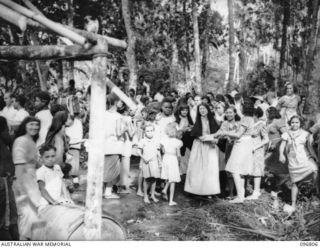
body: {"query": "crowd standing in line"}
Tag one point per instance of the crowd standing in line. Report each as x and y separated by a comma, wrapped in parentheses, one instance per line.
(209, 143)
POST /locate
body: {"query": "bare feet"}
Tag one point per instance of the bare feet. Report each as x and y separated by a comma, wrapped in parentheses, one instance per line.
(172, 203)
(140, 193)
(254, 196)
(154, 199)
(164, 195)
(146, 200)
(157, 194)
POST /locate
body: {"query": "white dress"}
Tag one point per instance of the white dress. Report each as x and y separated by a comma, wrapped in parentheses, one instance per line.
(151, 152)
(170, 164)
(300, 162)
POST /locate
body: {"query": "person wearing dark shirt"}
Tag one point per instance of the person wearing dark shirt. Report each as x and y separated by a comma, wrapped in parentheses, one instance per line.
(8, 209)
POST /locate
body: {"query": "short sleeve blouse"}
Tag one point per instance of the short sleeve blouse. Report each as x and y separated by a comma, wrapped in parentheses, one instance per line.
(24, 151)
(247, 123)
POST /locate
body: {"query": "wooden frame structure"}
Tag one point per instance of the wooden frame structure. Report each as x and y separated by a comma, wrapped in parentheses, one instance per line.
(88, 46)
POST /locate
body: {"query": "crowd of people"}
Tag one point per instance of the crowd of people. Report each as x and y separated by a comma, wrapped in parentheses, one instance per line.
(209, 143)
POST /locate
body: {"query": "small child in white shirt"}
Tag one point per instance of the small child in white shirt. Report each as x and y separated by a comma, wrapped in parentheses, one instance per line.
(49, 177)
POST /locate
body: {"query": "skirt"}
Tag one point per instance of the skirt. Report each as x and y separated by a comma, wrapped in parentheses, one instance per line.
(241, 158)
(151, 169)
(170, 168)
(111, 168)
(258, 159)
(183, 166)
(203, 169)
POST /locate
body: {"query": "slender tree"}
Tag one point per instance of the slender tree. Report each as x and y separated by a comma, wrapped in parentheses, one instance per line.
(130, 54)
(285, 24)
(231, 43)
(197, 52)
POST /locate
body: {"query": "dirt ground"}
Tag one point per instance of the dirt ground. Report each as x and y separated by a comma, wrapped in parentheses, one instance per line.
(196, 218)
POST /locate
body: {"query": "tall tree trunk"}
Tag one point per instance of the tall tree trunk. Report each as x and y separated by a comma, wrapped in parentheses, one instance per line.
(285, 24)
(206, 49)
(197, 53)
(187, 77)
(243, 62)
(175, 53)
(311, 42)
(174, 64)
(130, 54)
(93, 211)
(312, 52)
(68, 66)
(42, 68)
(231, 45)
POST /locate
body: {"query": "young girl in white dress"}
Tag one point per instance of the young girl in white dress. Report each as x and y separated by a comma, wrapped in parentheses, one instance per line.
(149, 151)
(301, 164)
(170, 161)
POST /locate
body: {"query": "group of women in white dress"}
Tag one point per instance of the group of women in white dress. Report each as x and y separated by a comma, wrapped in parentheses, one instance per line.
(220, 150)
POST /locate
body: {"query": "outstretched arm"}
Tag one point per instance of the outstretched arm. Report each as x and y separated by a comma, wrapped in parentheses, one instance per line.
(282, 158)
(237, 134)
(265, 139)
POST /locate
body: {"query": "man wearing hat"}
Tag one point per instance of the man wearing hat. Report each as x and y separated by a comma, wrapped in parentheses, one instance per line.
(42, 100)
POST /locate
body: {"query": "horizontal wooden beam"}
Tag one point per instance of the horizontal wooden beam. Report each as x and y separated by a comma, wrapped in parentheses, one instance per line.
(75, 52)
(13, 17)
(37, 20)
(92, 37)
(54, 26)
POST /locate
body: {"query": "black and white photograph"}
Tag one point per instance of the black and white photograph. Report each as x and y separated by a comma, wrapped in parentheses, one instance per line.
(159, 120)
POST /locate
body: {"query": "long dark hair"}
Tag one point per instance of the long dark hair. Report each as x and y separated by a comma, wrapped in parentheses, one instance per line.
(247, 107)
(178, 111)
(197, 128)
(273, 113)
(22, 128)
(4, 132)
(59, 119)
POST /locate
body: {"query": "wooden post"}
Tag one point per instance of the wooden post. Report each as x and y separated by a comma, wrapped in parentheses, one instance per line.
(93, 210)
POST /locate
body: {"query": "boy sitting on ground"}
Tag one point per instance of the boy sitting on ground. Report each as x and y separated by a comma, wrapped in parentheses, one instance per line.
(49, 177)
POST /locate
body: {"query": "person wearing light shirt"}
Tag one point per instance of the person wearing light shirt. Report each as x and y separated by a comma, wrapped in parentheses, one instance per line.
(113, 146)
(8, 111)
(159, 96)
(19, 103)
(44, 115)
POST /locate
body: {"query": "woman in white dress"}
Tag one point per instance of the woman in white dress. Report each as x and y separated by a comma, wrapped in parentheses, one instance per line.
(301, 164)
(203, 169)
